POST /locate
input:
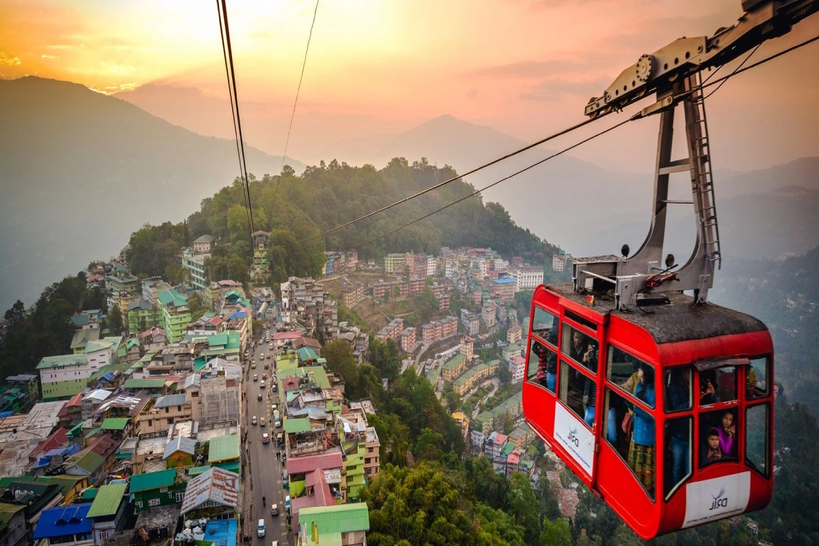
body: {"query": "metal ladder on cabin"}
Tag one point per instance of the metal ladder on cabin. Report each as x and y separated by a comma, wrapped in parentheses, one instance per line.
(702, 182)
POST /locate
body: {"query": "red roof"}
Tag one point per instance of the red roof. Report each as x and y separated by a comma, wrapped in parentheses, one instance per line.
(56, 440)
(302, 465)
(286, 336)
(75, 401)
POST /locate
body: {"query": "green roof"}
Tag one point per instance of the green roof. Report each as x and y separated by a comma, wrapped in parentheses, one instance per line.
(172, 297)
(107, 500)
(153, 480)
(217, 340)
(7, 512)
(232, 466)
(454, 362)
(508, 448)
(468, 374)
(301, 424)
(144, 383)
(62, 360)
(339, 518)
(204, 239)
(196, 470)
(224, 448)
(307, 353)
(90, 462)
(112, 423)
(90, 493)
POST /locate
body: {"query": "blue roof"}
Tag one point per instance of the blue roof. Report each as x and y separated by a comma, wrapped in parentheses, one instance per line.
(238, 314)
(505, 280)
(108, 376)
(63, 520)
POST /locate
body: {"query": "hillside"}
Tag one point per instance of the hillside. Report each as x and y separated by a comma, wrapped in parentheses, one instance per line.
(80, 171)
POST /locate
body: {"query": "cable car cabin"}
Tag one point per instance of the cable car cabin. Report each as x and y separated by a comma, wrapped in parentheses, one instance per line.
(665, 412)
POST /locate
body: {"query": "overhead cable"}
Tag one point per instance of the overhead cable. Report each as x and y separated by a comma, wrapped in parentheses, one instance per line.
(738, 70)
(453, 179)
(231, 76)
(739, 67)
(298, 89)
(504, 179)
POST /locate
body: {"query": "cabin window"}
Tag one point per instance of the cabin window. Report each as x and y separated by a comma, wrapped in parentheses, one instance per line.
(580, 347)
(757, 378)
(718, 437)
(573, 385)
(623, 371)
(757, 427)
(677, 388)
(677, 453)
(629, 429)
(542, 365)
(545, 326)
(718, 385)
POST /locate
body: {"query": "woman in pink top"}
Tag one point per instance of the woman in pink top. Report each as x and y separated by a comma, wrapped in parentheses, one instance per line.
(727, 430)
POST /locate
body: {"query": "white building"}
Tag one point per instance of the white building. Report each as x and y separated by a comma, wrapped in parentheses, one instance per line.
(517, 367)
(528, 277)
(558, 262)
(432, 266)
(451, 270)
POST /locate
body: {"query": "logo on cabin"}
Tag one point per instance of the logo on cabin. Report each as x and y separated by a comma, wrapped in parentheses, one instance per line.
(719, 501)
(573, 437)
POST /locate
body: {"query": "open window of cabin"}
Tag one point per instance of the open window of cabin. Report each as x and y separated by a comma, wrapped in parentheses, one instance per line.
(541, 368)
(758, 434)
(719, 436)
(545, 326)
(581, 347)
(756, 380)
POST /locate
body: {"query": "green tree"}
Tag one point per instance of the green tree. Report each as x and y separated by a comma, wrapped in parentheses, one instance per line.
(555, 533)
(521, 502)
(340, 361)
(114, 320)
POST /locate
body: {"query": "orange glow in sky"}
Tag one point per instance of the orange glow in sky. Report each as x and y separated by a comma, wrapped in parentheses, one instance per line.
(520, 66)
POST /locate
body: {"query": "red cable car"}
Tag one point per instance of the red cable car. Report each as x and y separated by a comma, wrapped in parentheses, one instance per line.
(630, 401)
(661, 402)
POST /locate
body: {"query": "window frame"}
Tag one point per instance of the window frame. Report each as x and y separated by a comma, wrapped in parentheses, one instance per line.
(767, 405)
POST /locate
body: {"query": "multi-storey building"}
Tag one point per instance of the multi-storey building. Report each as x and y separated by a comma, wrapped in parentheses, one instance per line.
(143, 314)
(444, 302)
(451, 270)
(432, 266)
(167, 410)
(471, 322)
(517, 367)
(466, 347)
(408, 339)
(488, 314)
(454, 367)
(505, 288)
(372, 457)
(391, 331)
(431, 332)
(513, 334)
(175, 314)
(558, 262)
(203, 245)
(352, 295)
(394, 264)
(64, 376)
(121, 280)
(260, 247)
(153, 286)
(195, 265)
(473, 376)
(449, 326)
(528, 277)
(416, 286)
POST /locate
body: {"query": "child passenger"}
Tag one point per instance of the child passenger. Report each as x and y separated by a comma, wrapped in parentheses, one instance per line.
(727, 431)
(711, 450)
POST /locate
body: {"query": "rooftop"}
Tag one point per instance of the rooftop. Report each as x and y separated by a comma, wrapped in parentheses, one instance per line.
(63, 520)
(153, 480)
(107, 501)
(223, 448)
(180, 443)
(61, 361)
(170, 401)
(215, 485)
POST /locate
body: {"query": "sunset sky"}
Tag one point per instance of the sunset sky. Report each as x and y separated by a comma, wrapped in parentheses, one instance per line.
(524, 67)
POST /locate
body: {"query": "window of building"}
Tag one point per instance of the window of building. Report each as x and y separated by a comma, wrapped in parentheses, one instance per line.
(180, 496)
(154, 502)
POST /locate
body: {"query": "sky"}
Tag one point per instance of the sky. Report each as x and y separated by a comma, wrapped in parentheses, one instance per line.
(379, 67)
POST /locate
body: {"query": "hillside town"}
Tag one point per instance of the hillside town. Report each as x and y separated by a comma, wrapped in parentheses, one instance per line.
(213, 415)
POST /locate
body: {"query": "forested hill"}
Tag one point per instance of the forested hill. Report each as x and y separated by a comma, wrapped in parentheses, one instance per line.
(296, 208)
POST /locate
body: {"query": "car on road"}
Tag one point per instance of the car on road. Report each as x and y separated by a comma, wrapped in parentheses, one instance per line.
(265, 438)
(253, 364)
(261, 384)
(266, 365)
(260, 529)
(274, 509)
(264, 377)
(262, 422)
(259, 397)
(255, 377)
(254, 420)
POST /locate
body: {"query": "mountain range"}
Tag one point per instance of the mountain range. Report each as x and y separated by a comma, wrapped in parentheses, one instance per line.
(80, 171)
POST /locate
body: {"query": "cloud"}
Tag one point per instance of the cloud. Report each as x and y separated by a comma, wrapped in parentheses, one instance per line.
(552, 88)
(9, 61)
(527, 69)
(49, 57)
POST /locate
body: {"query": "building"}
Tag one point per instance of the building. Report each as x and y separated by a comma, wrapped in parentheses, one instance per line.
(391, 331)
(260, 246)
(175, 314)
(466, 347)
(528, 277)
(195, 265)
(121, 280)
(167, 410)
(558, 261)
(408, 340)
(352, 295)
(505, 288)
(444, 302)
(345, 524)
(19, 393)
(513, 334)
(203, 245)
(66, 525)
(473, 377)
(142, 314)
(108, 511)
(488, 314)
(64, 376)
(214, 492)
(394, 264)
(517, 367)
(453, 367)
(160, 488)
